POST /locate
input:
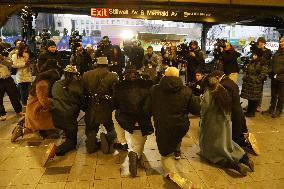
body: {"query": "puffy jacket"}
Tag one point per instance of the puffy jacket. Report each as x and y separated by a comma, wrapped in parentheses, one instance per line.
(24, 72)
(276, 67)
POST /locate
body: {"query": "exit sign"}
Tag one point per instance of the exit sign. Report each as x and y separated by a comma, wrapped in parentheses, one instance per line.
(100, 12)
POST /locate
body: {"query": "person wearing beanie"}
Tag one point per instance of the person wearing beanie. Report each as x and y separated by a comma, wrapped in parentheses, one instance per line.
(266, 53)
(215, 140)
(170, 102)
(50, 53)
(67, 101)
(253, 78)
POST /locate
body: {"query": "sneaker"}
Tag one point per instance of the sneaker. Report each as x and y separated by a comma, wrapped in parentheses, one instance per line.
(248, 162)
(105, 145)
(180, 181)
(133, 159)
(3, 118)
(49, 154)
(251, 141)
(177, 155)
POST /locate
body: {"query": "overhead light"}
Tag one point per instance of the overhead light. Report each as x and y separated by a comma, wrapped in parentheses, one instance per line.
(126, 34)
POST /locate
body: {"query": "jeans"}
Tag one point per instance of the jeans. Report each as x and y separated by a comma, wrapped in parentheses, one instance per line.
(24, 91)
(8, 85)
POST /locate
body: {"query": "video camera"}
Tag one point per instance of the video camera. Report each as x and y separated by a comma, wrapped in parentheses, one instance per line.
(220, 44)
(253, 46)
(75, 40)
(5, 49)
(45, 36)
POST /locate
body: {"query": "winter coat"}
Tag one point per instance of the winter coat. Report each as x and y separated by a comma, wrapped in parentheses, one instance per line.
(215, 141)
(197, 61)
(229, 60)
(150, 64)
(99, 81)
(38, 115)
(129, 99)
(46, 55)
(238, 118)
(170, 102)
(276, 67)
(252, 80)
(82, 62)
(24, 72)
(66, 104)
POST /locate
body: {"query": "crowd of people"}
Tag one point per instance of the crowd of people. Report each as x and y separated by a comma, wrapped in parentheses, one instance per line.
(148, 96)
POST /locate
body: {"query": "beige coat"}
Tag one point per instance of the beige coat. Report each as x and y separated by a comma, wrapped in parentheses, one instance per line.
(38, 116)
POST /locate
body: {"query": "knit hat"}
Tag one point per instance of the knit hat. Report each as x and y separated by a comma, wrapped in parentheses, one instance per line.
(50, 43)
(70, 69)
(102, 60)
(261, 39)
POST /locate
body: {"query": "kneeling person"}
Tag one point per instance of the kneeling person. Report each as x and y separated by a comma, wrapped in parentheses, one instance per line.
(68, 100)
(129, 97)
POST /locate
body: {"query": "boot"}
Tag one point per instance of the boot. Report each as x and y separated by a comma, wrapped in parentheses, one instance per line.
(245, 160)
(65, 147)
(18, 130)
(276, 114)
(180, 181)
(92, 143)
(133, 159)
(238, 167)
(105, 144)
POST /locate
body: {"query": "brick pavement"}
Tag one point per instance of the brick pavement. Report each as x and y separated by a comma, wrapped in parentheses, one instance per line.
(20, 162)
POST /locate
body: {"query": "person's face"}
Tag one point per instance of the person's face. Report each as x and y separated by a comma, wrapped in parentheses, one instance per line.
(18, 43)
(80, 49)
(281, 43)
(198, 76)
(260, 45)
(193, 46)
(254, 56)
(227, 46)
(150, 51)
(51, 49)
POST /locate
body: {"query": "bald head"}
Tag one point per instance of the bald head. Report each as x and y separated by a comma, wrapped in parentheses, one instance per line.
(172, 71)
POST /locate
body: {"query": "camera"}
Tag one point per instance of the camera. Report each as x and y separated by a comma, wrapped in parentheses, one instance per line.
(253, 46)
(75, 40)
(45, 36)
(220, 44)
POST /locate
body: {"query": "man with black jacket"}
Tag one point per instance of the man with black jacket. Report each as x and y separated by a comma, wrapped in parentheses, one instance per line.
(98, 85)
(170, 103)
(276, 74)
(129, 98)
(50, 53)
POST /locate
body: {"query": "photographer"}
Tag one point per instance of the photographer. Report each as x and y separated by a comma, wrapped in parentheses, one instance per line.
(105, 49)
(45, 36)
(150, 62)
(81, 59)
(229, 61)
(51, 53)
(7, 85)
(195, 59)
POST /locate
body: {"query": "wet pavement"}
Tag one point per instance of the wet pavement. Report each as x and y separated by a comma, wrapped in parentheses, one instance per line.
(20, 162)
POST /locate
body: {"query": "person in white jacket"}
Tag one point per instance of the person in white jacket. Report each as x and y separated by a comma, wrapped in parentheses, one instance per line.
(24, 72)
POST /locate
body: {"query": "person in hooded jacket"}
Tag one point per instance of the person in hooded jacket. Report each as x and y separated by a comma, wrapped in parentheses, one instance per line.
(67, 101)
(169, 102)
(118, 61)
(129, 98)
(229, 61)
(252, 81)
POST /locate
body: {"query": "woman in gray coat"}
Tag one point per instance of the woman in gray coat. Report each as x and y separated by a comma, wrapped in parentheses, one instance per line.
(216, 144)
